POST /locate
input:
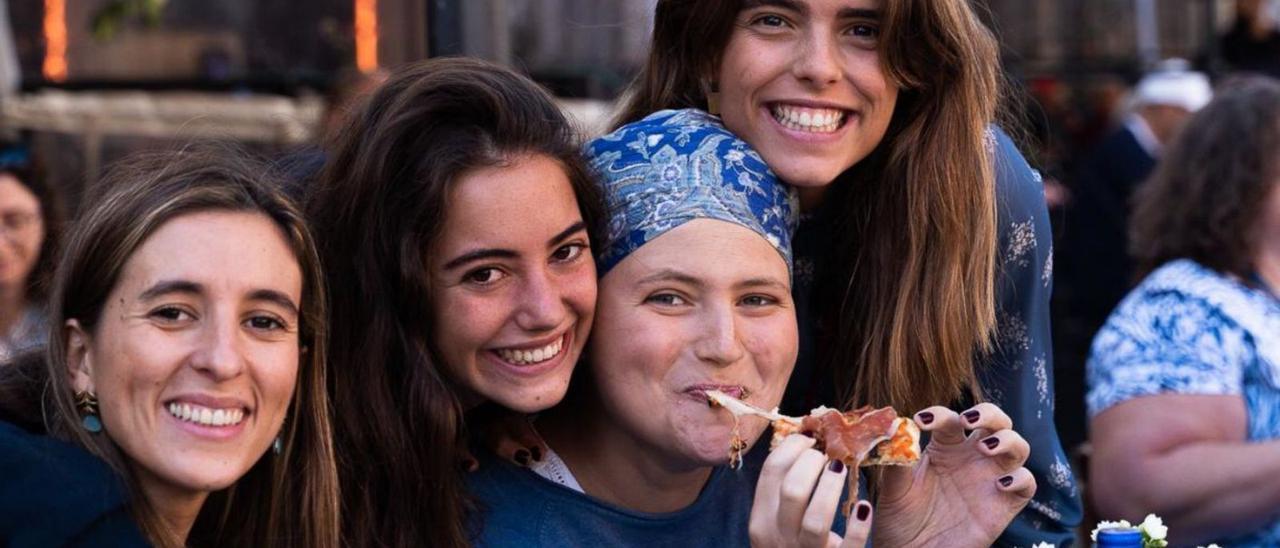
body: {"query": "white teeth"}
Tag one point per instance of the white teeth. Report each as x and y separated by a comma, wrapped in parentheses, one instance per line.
(537, 355)
(205, 416)
(812, 120)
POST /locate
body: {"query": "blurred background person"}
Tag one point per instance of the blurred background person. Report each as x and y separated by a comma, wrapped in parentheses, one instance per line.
(1184, 378)
(1095, 265)
(30, 223)
(1252, 43)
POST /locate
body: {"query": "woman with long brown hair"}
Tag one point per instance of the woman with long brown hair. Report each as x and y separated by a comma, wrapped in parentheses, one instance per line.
(923, 266)
(182, 394)
(456, 218)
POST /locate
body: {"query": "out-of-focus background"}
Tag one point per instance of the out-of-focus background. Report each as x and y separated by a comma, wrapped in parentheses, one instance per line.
(94, 79)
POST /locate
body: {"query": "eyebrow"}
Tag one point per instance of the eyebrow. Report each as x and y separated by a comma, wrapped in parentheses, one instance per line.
(273, 296)
(185, 287)
(763, 282)
(171, 286)
(497, 253)
(670, 275)
(793, 5)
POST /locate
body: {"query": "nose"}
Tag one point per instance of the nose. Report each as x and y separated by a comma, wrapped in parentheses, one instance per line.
(718, 341)
(817, 60)
(541, 304)
(218, 353)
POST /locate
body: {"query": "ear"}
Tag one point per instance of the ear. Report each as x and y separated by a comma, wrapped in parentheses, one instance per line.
(79, 362)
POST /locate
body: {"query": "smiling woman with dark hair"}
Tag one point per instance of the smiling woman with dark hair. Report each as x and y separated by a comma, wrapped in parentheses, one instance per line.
(456, 218)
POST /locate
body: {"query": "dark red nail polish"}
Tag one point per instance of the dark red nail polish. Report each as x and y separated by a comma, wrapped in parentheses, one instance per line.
(926, 417)
(991, 442)
(972, 416)
(1006, 481)
(864, 511)
(522, 457)
(536, 452)
(836, 466)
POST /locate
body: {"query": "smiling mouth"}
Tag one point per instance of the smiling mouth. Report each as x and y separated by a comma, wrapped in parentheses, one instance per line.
(206, 416)
(530, 356)
(809, 119)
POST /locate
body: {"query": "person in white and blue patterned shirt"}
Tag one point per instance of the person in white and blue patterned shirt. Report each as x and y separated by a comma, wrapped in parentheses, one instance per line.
(1184, 378)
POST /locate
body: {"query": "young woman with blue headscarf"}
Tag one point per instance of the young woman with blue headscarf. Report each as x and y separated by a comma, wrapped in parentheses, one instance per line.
(695, 295)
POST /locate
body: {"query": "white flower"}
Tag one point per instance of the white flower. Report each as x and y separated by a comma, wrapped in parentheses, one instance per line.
(1108, 525)
(1154, 527)
(1043, 545)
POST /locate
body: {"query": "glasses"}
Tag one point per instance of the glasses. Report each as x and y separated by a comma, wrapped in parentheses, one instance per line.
(17, 221)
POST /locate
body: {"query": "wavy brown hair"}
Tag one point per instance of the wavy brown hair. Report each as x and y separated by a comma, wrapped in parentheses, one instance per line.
(909, 283)
(380, 205)
(1209, 191)
(290, 499)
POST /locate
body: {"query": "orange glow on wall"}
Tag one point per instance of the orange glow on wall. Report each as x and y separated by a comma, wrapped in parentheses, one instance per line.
(55, 40)
(367, 35)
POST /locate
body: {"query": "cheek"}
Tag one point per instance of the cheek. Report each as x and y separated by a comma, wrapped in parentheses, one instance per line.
(276, 372)
(464, 321)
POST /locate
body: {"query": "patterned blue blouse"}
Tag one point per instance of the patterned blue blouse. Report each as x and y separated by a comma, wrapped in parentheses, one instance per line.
(1018, 376)
(1187, 329)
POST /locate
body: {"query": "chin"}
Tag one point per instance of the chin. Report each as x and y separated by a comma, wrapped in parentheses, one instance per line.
(807, 176)
(532, 401)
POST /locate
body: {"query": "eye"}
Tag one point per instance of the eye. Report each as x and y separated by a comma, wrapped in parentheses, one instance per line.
(568, 252)
(770, 20)
(170, 314)
(666, 299)
(265, 323)
(758, 300)
(864, 33)
(483, 276)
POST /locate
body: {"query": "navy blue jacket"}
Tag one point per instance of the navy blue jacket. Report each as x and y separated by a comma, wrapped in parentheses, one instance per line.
(56, 494)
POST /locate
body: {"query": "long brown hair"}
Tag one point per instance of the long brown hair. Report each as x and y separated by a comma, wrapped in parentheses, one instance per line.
(380, 205)
(909, 280)
(290, 499)
(1210, 190)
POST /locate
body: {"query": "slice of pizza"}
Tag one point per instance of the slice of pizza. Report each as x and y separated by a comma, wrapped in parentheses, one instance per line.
(862, 437)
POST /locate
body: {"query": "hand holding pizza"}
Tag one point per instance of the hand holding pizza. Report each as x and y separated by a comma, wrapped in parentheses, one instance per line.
(797, 497)
(966, 488)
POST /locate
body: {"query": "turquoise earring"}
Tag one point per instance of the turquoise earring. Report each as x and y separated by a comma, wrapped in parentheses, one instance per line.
(87, 403)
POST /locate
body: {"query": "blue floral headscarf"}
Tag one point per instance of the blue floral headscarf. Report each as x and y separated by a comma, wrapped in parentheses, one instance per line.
(675, 166)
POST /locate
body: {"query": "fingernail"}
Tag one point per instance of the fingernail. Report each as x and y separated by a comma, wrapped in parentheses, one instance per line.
(864, 511)
(991, 442)
(536, 452)
(522, 457)
(836, 466)
(1006, 481)
(972, 415)
(926, 417)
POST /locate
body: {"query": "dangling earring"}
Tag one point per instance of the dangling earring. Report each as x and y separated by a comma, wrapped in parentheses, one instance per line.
(87, 403)
(713, 97)
(277, 446)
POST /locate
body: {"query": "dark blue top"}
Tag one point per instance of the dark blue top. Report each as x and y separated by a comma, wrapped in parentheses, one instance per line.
(56, 494)
(1018, 376)
(516, 507)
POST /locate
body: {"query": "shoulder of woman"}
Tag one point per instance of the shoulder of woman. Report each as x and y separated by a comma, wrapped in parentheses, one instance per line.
(1018, 185)
(54, 493)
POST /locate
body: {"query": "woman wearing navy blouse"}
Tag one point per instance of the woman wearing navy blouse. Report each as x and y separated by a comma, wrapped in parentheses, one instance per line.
(923, 261)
